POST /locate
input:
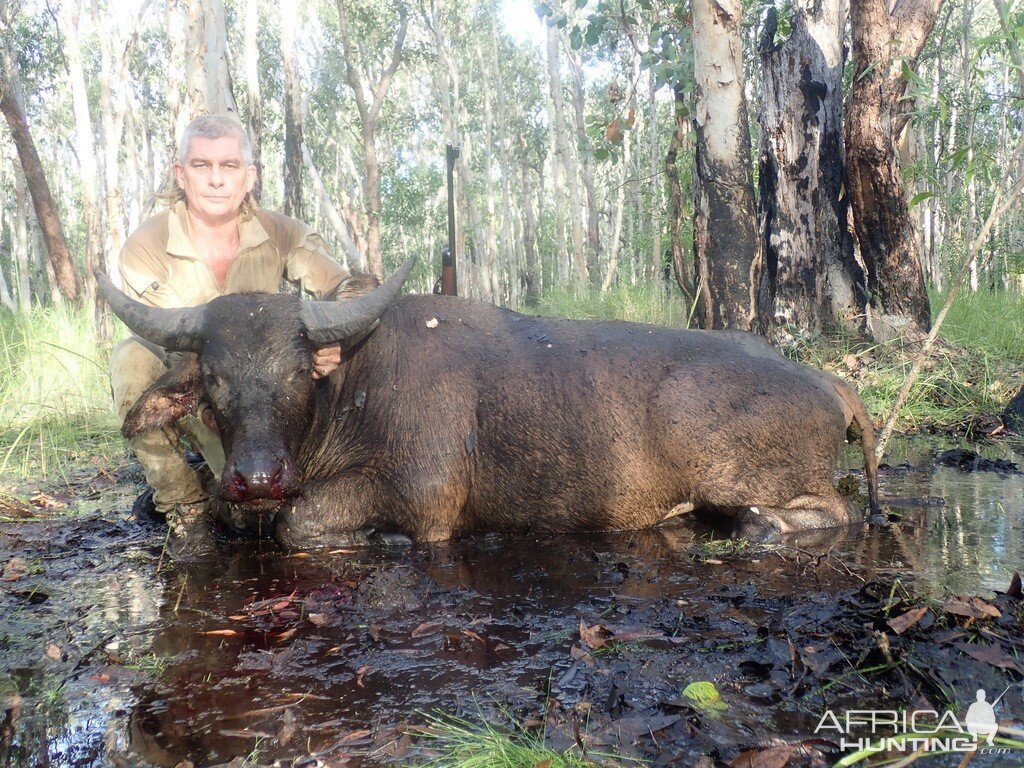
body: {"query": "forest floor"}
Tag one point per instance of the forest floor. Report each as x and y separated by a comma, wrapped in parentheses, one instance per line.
(674, 646)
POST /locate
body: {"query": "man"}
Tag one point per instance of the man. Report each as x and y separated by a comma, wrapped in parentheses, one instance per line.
(213, 240)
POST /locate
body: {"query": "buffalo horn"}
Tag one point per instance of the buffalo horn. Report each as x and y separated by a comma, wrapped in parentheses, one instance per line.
(174, 329)
(328, 322)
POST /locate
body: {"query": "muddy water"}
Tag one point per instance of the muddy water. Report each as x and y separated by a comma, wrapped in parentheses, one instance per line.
(111, 656)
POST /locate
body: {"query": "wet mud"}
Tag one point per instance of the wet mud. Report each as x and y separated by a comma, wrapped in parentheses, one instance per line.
(112, 655)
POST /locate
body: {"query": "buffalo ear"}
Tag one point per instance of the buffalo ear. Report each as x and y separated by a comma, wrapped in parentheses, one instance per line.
(169, 398)
(353, 286)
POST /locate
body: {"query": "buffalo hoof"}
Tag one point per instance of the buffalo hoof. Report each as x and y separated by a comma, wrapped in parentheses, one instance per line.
(758, 527)
(391, 540)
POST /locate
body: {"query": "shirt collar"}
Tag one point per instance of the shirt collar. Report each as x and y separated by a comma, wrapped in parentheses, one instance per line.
(250, 231)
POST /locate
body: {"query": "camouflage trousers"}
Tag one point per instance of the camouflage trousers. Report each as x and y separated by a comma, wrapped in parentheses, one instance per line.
(134, 365)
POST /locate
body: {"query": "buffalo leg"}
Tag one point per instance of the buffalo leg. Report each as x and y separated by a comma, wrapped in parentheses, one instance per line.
(334, 513)
(769, 524)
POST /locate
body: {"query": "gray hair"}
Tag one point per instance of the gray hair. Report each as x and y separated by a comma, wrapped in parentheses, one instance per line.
(215, 127)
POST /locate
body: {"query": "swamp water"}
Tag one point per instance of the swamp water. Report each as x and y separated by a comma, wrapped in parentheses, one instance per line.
(109, 655)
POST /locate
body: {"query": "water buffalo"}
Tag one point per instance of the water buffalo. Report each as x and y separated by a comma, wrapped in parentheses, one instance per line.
(452, 416)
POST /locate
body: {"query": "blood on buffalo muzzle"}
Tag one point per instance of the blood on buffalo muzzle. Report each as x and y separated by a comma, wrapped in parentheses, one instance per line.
(259, 478)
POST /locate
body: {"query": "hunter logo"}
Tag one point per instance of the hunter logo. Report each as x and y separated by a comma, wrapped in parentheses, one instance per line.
(889, 730)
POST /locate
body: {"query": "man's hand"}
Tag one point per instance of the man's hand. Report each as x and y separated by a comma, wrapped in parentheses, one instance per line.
(325, 360)
(207, 417)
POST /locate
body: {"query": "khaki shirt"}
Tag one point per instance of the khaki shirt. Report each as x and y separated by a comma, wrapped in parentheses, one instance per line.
(160, 266)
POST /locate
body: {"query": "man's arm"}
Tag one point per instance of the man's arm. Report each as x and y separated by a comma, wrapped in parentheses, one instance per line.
(310, 262)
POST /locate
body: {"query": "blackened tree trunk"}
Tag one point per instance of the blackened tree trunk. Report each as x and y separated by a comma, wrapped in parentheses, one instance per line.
(811, 277)
(727, 249)
(884, 45)
(65, 276)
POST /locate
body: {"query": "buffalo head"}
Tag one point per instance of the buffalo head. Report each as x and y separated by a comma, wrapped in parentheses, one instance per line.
(251, 360)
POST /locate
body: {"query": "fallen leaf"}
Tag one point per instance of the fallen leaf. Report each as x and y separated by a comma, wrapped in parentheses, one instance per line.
(240, 734)
(289, 727)
(992, 655)
(16, 568)
(971, 607)
(596, 636)
(285, 635)
(45, 501)
(298, 555)
(100, 678)
(54, 652)
(238, 617)
(221, 632)
(580, 655)
(475, 636)
(905, 621)
(704, 697)
(354, 736)
(362, 672)
(374, 632)
(319, 619)
(426, 628)
(774, 757)
(342, 552)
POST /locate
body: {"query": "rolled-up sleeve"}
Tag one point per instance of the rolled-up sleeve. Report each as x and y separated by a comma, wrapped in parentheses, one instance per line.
(311, 264)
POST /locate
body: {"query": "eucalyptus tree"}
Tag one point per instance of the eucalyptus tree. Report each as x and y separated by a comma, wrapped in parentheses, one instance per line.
(47, 214)
(886, 44)
(727, 249)
(372, 35)
(811, 281)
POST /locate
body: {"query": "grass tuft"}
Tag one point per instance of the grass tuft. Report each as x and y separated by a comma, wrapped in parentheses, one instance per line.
(55, 409)
(462, 744)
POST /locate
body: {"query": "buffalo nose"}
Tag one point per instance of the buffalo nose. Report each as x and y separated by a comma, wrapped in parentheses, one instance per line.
(257, 478)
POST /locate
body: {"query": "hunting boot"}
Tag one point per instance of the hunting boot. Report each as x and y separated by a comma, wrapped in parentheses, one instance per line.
(190, 532)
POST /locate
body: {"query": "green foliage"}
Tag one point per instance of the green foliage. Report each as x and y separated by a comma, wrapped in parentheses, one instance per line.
(55, 408)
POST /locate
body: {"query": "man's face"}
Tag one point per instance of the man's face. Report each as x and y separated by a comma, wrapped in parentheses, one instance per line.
(215, 177)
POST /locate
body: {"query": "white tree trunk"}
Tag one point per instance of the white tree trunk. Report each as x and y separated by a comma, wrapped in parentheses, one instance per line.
(727, 251)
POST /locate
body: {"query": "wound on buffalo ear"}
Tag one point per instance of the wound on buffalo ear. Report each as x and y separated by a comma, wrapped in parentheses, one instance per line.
(353, 287)
(169, 398)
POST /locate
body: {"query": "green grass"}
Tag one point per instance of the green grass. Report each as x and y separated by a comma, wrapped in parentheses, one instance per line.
(991, 322)
(635, 303)
(55, 408)
(462, 744)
